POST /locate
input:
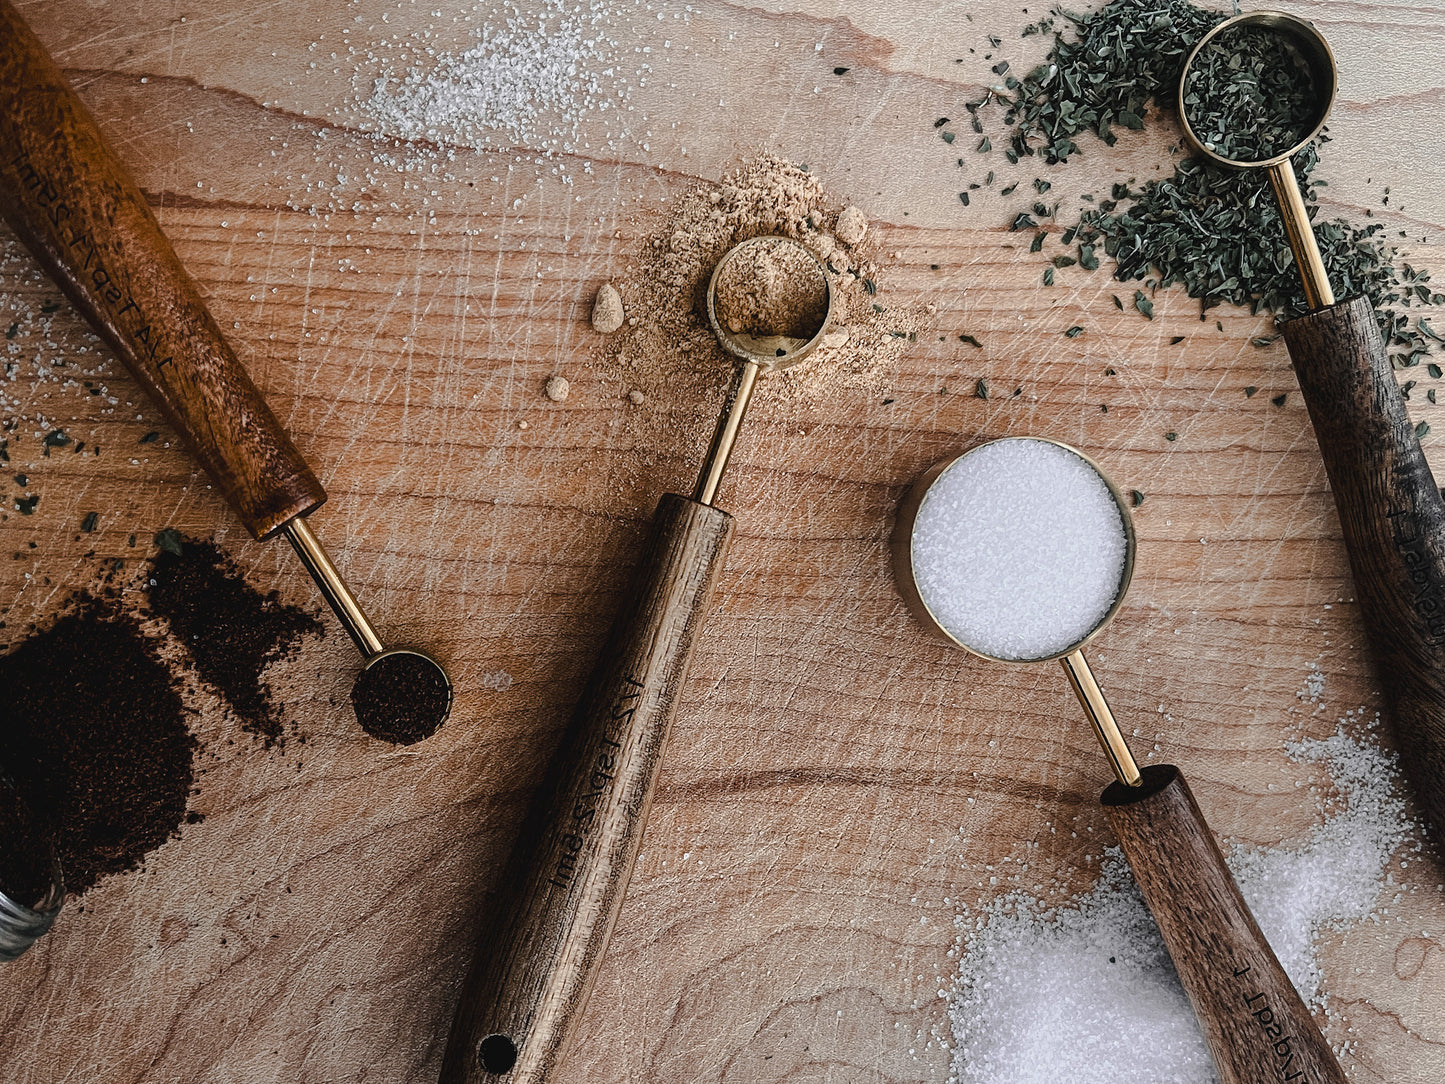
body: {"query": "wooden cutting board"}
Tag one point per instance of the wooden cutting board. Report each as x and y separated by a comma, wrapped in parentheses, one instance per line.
(838, 787)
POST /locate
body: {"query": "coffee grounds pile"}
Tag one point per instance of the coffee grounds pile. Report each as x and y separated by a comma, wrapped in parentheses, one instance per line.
(93, 731)
(401, 698)
(232, 631)
(24, 853)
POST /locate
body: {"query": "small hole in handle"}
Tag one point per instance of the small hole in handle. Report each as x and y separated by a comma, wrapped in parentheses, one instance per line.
(497, 1054)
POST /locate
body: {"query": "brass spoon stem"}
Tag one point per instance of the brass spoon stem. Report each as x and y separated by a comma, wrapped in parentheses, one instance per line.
(343, 603)
(1096, 707)
(1301, 234)
(728, 426)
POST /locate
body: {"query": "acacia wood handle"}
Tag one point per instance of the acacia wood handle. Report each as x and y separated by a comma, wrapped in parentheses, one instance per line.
(78, 209)
(1393, 521)
(1257, 1026)
(561, 890)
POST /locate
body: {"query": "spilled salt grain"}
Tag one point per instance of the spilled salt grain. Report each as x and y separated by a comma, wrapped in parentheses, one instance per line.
(1019, 549)
(1314, 687)
(518, 73)
(1049, 994)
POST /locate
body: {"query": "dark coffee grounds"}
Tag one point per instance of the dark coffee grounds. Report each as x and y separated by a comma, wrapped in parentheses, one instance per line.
(401, 698)
(233, 631)
(24, 853)
(93, 731)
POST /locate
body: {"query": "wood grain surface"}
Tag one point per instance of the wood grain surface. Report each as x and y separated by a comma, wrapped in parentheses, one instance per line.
(76, 207)
(837, 786)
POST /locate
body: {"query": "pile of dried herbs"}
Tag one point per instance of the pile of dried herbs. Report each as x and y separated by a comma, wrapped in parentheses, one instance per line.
(1215, 232)
(1106, 74)
(1219, 235)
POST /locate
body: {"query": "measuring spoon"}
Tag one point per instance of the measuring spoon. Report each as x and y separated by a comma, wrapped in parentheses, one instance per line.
(1021, 551)
(1390, 507)
(78, 209)
(538, 954)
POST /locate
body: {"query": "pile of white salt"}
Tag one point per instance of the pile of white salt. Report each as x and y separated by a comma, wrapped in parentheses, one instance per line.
(1087, 993)
(1019, 549)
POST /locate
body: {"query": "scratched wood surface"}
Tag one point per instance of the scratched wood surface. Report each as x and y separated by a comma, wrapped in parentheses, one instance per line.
(837, 786)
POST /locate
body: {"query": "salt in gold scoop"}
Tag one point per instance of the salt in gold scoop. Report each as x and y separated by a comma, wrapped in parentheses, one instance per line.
(1020, 551)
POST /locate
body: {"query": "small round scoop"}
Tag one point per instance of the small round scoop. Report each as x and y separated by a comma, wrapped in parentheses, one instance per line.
(401, 695)
(769, 301)
(1019, 550)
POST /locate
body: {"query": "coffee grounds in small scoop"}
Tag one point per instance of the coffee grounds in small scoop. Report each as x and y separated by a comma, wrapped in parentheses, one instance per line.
(401, 698)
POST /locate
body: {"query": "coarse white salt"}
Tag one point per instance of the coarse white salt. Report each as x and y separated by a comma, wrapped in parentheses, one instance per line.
(1052, 994)
(1019, 549)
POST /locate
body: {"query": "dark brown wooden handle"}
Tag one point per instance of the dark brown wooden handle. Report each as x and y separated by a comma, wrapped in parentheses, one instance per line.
(536, 959)
(78, 209)
(1393, 521)
(1257, 1026)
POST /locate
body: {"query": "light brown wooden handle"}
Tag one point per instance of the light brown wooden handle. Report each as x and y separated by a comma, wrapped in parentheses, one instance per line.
(1257, 1026)
(1393, 521)
(78, 209)
(537, 956)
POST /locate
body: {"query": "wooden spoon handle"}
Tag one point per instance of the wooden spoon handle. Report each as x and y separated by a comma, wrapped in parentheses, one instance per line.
(537, 957)
(1256, 1024)
(77, 208)
(1393, 521)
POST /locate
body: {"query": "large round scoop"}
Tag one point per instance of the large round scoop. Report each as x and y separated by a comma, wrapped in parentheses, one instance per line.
(1019, 550)
(1256, 90)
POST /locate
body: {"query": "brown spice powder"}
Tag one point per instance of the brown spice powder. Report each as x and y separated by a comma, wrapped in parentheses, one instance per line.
(770, 288)
(667, 351)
